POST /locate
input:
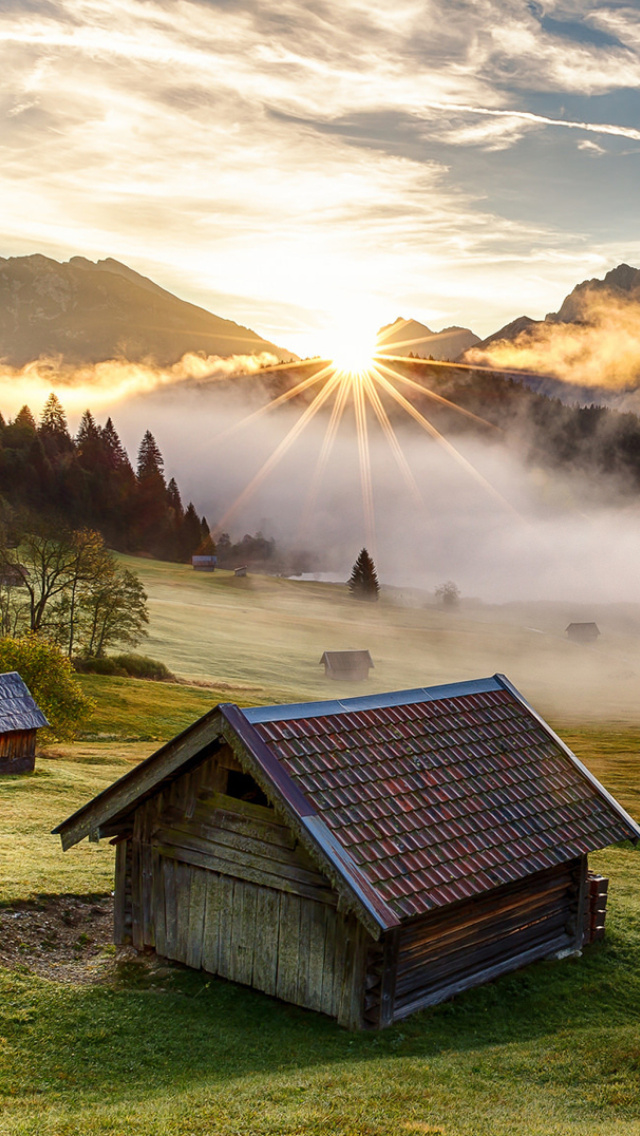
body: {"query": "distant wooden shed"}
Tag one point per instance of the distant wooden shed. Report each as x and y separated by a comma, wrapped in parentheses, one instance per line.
(20, 720)
(204, 563)
(583, 632)
(241, 571)
(352, 666)
(364, 857)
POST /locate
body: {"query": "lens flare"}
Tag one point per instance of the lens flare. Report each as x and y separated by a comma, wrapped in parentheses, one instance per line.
(360, 372)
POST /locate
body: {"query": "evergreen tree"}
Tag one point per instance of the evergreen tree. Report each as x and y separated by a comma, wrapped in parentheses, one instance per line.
(88, 434)
(190, 533)
(150, 460)
(53, 418)
(204, 528)
(24, 420)
(363, 582)
(174, 499)
(115, 451)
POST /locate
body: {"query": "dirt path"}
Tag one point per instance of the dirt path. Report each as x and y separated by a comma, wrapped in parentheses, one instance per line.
(65, 938)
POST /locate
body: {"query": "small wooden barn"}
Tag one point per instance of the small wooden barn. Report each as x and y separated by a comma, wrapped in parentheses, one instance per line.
(364, 857)
(205, 563)
(583, 632)
(350, 666)
(20, 719)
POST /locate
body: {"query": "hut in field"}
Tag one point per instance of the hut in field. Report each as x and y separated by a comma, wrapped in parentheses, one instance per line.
(352, 666)
(364, 857)
(582, 632)
(241, 571)
(20, 719)
(205, 563)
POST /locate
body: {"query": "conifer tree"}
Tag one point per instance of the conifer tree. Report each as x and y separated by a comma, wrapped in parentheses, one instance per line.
(190, 533)
(25, 420)
(117, 455)
(53, 417)
(363, 582)
(150, 460)
(88, 432)
(174, 500)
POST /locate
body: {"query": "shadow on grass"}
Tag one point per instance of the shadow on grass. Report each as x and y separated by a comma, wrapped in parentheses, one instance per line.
(169, 1028)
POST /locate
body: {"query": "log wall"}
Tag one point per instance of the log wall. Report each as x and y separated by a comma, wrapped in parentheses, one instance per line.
(18, 751)
(463, 945)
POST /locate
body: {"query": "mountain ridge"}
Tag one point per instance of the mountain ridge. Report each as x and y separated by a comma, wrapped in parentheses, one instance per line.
(85, 312)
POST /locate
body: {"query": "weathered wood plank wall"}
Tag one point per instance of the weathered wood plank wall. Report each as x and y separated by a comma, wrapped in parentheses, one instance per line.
(17, 751)
(223, 885)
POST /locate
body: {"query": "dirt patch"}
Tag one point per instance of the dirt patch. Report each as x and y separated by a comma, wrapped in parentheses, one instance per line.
(65, 937)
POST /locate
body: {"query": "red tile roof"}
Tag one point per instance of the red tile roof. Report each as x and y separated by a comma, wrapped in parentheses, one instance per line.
(441, 799)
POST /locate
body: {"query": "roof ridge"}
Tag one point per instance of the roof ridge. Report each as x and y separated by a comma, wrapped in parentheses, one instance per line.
(291, 710)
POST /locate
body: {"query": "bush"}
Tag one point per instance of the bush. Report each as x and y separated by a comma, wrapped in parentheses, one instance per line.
(49, 676)
(125, 666)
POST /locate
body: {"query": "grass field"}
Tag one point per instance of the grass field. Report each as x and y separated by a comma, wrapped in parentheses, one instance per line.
(264, 636)
(553, 1050)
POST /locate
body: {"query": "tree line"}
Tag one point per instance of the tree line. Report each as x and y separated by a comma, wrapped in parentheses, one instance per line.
(88, 481)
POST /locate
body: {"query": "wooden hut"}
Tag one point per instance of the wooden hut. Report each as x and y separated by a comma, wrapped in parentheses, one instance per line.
(364, 857)
(583, 632)
(20, 719)
(352, 666)
(205, 563)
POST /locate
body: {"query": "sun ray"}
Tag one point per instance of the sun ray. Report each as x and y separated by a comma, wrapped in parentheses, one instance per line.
(390, 434)
(365, 460)
(278, 401)
(344, 390)
(447, 365)
(280, 450)
(437, 397)
(437, 436)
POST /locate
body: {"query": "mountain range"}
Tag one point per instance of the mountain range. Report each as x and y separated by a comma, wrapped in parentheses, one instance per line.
(82, 312)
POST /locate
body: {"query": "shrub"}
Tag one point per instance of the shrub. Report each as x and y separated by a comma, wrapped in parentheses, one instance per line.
(49, 676)
(131, 666)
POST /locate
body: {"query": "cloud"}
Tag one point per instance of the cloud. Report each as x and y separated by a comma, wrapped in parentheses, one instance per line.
(601, 350)
(197, 141)
(115, 380)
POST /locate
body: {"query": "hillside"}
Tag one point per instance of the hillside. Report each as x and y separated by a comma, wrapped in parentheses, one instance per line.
(83, 312)
(408, 337)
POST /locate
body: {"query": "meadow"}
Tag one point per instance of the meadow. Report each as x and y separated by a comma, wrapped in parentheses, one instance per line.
(147, 1050)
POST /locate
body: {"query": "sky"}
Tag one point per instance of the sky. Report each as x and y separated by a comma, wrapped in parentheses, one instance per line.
(299, 167)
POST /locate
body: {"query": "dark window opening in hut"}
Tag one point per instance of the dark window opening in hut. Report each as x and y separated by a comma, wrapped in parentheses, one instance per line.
(244, 788)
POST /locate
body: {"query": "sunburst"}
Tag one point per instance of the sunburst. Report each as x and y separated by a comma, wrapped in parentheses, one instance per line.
(363, 376)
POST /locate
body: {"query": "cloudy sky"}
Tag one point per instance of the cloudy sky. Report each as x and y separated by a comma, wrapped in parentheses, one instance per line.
(288, 163)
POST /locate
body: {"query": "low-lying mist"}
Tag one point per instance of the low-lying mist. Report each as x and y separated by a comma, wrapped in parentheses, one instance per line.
(545, 539)
(601, 349)
(536, 535)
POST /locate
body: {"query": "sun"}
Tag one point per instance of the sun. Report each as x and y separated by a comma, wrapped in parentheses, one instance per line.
(350, 348)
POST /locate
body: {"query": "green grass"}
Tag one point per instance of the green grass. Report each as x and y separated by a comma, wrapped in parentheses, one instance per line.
(553, 1050)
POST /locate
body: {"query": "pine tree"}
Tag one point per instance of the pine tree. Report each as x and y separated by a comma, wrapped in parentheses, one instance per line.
(363, 582)
(24, 420)
(88, 432)
(150, 460)
(53, 419)
(174, 499)
(190, 533)
(117, 455)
